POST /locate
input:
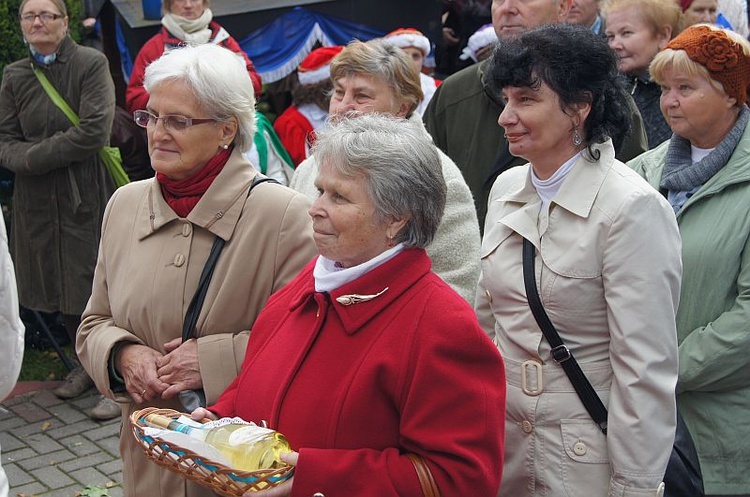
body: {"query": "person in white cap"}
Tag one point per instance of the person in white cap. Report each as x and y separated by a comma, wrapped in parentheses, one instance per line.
(417, 46)
(480, 44)
(309, 110)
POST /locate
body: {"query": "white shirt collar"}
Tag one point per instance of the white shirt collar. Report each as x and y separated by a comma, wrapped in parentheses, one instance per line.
(330, 276)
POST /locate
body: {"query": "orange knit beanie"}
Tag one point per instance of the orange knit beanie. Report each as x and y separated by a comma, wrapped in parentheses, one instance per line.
(720, 55)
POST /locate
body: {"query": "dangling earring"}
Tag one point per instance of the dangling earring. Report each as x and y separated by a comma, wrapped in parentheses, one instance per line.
(577, 140)
(390, 241)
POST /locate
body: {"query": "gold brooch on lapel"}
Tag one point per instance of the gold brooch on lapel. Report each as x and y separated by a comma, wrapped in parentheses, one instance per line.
(356, 298)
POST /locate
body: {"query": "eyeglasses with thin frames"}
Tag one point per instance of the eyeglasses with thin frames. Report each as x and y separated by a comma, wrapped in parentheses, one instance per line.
(171, 122)
(45, 17)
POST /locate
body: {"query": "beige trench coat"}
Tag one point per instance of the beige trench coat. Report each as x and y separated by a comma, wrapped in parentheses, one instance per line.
(608, 270)
(148, 268)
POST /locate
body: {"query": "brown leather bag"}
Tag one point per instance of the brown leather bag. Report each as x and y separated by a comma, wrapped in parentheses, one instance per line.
(429, 487)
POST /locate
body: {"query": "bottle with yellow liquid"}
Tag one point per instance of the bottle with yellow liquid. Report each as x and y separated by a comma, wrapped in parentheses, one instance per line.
(247, 447)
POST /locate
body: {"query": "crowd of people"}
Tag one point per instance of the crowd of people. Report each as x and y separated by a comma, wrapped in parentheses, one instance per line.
(365, 273)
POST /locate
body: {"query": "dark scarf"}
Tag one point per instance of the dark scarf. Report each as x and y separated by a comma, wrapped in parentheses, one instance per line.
(182, 195)
(681, 175)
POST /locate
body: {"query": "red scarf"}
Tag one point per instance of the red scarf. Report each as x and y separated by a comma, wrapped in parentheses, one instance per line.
(182, 195)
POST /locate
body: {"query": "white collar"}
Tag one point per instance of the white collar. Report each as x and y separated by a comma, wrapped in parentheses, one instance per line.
(330, 276)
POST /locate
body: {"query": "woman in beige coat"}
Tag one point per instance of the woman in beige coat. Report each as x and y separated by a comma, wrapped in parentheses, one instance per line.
(156, 238)
(607, 269)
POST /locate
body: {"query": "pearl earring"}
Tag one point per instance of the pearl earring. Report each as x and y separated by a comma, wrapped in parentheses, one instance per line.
(225, 146)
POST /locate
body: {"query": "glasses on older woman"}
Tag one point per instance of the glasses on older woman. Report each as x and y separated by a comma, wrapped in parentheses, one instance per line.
(45, 17)
(171, 122)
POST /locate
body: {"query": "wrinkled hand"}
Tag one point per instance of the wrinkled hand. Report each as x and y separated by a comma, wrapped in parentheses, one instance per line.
(179, 367)
(138, 364)
(283, 490)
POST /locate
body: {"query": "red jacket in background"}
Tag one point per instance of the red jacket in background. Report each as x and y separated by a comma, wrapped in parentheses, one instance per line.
(355, 387)
(136, 96)
(296, 133)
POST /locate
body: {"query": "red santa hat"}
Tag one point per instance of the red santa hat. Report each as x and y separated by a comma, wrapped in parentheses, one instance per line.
(409, 37)
(316, 67)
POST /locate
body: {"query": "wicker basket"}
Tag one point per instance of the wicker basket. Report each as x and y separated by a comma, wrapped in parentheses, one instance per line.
(218, 477)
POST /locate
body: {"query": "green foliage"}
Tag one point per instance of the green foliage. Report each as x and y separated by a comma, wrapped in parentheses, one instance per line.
(93, 491)
(43, 365)
(12, 47)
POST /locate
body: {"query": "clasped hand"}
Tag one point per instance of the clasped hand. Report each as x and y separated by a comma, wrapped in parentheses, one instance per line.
(148, 374)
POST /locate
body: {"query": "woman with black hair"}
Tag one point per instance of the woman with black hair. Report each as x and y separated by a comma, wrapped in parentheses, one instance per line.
(607, 272)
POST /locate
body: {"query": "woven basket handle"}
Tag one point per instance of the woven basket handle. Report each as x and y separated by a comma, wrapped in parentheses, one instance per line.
(429, 487)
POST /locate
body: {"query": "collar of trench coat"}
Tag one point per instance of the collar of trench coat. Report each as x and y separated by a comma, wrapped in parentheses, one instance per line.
(217, 211)
(576, 195)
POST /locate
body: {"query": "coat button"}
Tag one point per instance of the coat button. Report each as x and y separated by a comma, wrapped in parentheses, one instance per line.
(179, 260)
(579, 448)
(187, 228)
(318, 494)
(660, 490)
(526, 426)
(488, 295)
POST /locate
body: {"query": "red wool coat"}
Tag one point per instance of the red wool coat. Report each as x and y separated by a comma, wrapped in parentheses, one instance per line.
(136, 96)
(355, 387)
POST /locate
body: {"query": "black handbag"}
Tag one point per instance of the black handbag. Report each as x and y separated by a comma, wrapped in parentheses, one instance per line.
(683, 477)
(193, 399)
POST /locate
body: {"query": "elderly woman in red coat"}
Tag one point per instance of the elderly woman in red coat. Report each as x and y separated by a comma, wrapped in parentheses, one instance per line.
(367, 355)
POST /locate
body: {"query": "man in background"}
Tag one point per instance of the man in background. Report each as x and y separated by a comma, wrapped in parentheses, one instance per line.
(587, 13)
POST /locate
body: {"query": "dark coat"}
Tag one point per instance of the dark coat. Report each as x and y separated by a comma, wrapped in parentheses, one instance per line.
(61, 188)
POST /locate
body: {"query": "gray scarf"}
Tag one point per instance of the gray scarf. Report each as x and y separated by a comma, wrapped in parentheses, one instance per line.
(680, 174)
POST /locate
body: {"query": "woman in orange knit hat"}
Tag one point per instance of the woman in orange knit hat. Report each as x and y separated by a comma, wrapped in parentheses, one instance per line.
(704, 172)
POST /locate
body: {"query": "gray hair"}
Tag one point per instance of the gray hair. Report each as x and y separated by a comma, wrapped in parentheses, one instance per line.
(402, 170)
(383, 60)
(218, 79)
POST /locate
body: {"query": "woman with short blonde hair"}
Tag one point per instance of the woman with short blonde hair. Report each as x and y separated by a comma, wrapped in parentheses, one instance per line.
(636, 30)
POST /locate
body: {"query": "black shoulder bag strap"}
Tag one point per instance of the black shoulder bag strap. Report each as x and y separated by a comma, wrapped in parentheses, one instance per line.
(560, 352)
(196, 304)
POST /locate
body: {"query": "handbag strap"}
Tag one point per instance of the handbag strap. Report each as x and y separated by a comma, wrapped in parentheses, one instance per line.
(196, 303)
(560, 352)
(426, 481)
(55, 96)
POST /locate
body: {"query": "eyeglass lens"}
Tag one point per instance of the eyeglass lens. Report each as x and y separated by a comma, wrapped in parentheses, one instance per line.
(44, 17)
(170, 122)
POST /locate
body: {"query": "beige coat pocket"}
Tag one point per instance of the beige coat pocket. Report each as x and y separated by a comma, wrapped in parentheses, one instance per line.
(585, 464)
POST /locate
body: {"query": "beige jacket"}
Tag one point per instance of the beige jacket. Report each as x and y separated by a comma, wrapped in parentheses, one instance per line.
(148, 268)
(608, 270)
